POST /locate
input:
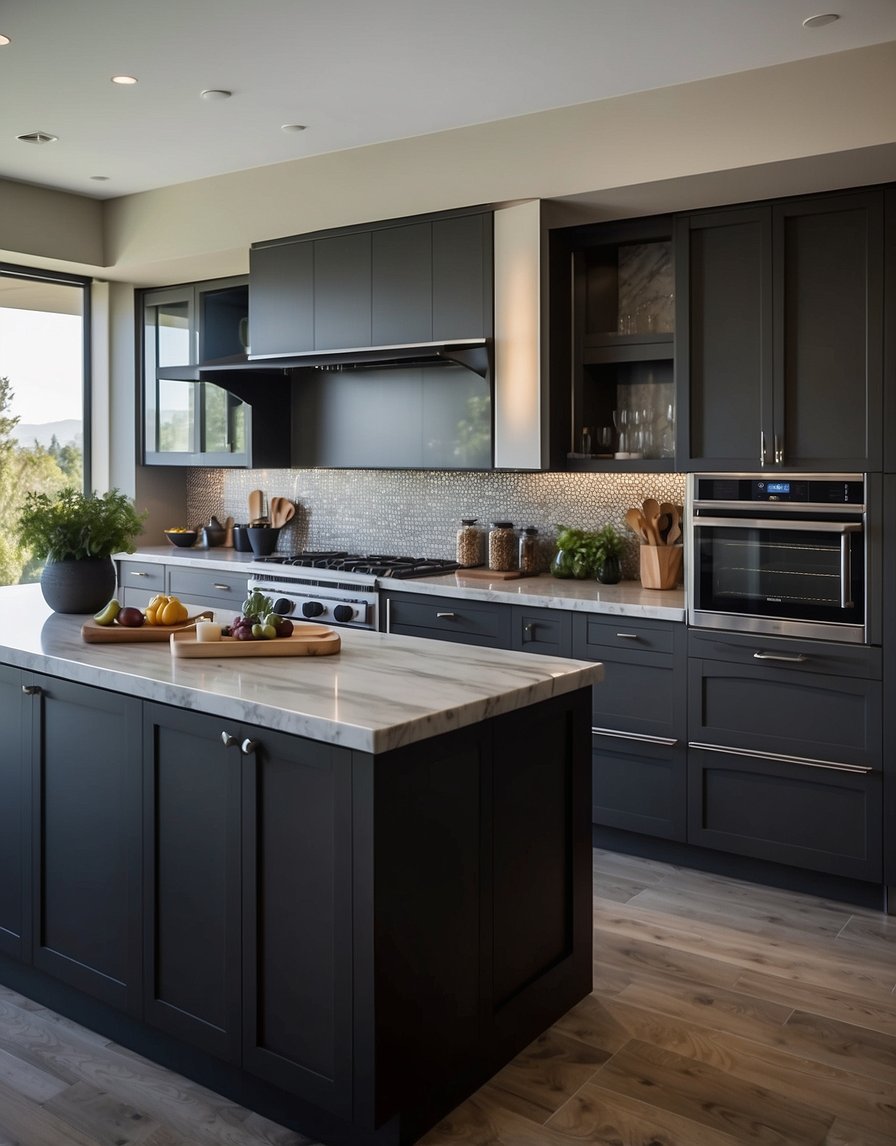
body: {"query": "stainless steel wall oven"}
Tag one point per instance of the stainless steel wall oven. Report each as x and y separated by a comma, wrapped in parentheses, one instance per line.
(787, 554)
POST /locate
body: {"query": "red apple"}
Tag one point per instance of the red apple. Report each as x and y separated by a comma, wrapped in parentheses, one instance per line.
(130, 617)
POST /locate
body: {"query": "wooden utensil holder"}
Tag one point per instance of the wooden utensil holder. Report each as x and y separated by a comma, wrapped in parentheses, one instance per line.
(661, 566)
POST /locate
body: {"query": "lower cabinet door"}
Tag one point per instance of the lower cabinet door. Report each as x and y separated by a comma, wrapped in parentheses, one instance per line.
(297, 916)
(86, 840)
(639, 785)
(191, 896)
(15, 804)
(820, 818)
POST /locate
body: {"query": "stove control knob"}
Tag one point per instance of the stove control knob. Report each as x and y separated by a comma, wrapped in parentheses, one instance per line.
(312, 609)
(343, 613)
(283, 606)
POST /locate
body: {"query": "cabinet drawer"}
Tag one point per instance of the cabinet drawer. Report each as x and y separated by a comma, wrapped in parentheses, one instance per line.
(198, 585)
(147, 576)
(547, 631)
(639, 787)
(815, 818)
(622, 633)
(787, 653)
(804, 715)
(449, 619)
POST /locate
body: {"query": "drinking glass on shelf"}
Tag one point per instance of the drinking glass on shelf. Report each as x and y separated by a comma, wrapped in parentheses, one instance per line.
(604, 439)
(621, 420)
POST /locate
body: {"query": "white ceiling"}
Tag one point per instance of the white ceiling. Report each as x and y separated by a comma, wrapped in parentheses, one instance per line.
(355, 72)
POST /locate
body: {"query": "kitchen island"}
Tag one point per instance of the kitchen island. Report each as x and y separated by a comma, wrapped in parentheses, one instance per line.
(344, 890)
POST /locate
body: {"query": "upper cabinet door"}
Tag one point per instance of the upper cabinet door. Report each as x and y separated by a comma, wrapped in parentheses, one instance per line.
(462, 261)
(828, 343)
(723, 355)
(342, 291)
(402, 285)
(281, 298)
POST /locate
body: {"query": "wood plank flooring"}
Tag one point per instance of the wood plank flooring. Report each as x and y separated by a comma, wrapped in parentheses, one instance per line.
(722, 1014)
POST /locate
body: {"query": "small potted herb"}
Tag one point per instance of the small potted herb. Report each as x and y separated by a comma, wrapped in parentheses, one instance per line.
(607, 547)
(76, 534)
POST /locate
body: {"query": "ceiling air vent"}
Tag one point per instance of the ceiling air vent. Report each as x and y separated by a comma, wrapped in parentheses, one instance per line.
(38, 137)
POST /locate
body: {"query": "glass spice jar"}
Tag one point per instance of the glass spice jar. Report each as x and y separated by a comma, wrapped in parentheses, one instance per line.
(528, 550)
(469, 547)
(502, 547)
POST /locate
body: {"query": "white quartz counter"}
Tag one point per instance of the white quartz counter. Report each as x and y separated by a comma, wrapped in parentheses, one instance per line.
(628, 598)
(378, 693)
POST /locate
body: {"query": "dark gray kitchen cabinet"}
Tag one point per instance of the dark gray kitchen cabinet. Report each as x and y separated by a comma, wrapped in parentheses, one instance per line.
(785, 751)
(779, 352)
(394, 283)
(86, 852)
(446, 619)
(402, 277)
(639, 765)
(889, 675)
(15, 819)
(297, 916)
(342, 291)
(191, 879)
(890, 330)
(537, 630)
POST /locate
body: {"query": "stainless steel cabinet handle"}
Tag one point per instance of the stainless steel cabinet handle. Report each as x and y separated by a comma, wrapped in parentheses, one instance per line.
(781, 758)
(762, 447)
(628, 636)
(666, 741)
(31, 689)
(789, 658)
(388, 614)
(529, 630)
(248, 746)
(445, 616)
(137, 573)
(779, 451)
(218, 585)
(227, 740)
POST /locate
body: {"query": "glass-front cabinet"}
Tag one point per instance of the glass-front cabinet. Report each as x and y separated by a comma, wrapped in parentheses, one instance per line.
(617, 410)
(188, 419)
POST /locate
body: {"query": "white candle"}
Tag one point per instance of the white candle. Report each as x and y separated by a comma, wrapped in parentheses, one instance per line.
(207, 631)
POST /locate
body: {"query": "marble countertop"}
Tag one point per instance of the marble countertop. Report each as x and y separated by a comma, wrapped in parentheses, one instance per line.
(378, 693)
(628, 598)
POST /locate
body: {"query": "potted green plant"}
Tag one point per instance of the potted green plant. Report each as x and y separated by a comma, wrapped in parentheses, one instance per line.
(76, 534)
(607, 548)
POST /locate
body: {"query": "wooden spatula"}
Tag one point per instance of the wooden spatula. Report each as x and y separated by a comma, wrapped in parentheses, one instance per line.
(256, 505)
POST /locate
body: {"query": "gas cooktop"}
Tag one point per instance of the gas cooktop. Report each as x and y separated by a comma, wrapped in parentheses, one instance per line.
(374, 564)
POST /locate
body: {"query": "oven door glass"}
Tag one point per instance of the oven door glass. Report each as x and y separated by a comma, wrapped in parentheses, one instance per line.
(787, 570)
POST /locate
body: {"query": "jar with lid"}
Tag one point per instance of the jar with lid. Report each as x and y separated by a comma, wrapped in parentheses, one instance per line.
(502, 547)
(470, 543)
(528, 550)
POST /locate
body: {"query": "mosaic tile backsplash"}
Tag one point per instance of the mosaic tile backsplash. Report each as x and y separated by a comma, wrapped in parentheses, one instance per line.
(417, 512)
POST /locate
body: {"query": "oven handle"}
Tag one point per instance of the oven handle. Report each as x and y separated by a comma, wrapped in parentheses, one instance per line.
(846, 601)
(769, 523)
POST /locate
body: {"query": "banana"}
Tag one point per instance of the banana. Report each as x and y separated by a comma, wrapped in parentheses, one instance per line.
(107, 615)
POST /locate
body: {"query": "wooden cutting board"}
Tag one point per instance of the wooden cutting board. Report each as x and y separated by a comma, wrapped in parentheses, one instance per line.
(96, 634)
(306, 641)
(491, 574)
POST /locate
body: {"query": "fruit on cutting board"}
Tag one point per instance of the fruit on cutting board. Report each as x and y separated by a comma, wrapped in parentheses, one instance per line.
(166, 610)
(130, 617)
(258, 621)
(108, 613)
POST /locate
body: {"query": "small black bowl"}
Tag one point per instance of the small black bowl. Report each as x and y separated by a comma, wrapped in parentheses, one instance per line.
(263, 539)
(184, 538)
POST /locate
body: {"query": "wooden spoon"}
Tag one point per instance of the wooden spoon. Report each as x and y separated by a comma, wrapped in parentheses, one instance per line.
(274, 511)
(287, 510)
(228, 533)
(634, 519)
(651, 516)
(256, 505)
(675, 528)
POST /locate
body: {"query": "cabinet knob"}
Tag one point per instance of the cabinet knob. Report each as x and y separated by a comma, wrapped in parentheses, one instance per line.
(248, 746)
(31, 689)
(227, 740)
(529, 631)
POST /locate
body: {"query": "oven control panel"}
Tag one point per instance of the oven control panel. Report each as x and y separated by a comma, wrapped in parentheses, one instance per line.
(781, 489)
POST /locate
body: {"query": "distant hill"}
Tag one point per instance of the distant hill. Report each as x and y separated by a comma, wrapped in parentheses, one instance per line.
(68, 432)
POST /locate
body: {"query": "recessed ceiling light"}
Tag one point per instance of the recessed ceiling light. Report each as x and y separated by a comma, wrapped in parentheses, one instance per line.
(4, 40)
(820, 21)
(124, 80)
(38, 137)
(215, 93)
(293, 127)
(100, 178)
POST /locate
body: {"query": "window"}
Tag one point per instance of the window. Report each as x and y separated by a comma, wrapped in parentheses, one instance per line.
(43, 398)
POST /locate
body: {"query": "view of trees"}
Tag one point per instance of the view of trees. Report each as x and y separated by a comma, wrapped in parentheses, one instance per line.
(46, 469)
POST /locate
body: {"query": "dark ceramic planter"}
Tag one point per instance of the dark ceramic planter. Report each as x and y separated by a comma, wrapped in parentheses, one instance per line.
(78, 586)
(609, 572)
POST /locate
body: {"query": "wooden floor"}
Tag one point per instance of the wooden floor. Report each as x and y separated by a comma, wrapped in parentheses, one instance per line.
(722, 1014)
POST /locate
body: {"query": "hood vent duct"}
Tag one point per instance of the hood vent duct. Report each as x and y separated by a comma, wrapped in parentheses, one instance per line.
(474, 354)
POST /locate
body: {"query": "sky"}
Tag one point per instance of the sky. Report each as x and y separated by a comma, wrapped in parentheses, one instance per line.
(41, 354)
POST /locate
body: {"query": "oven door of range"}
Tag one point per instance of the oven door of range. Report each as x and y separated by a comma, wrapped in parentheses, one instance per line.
(785, 574)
